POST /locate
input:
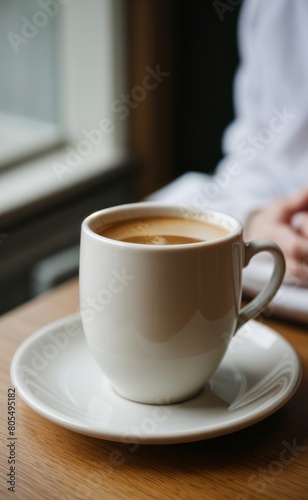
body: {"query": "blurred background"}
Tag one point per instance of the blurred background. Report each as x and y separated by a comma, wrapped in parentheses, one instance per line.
(102, 102)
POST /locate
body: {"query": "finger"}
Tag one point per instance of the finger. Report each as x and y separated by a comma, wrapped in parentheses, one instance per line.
(300, 223)
(290, 205)
(294, 245)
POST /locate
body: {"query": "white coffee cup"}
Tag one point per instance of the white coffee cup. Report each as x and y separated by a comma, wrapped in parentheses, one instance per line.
(158, 319)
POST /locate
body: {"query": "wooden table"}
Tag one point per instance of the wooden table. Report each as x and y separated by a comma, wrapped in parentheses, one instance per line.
(56, 463)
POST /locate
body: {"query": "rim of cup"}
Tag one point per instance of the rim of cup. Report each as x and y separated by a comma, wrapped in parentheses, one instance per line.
(110, 215)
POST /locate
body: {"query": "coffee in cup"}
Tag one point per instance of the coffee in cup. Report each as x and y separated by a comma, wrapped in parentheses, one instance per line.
(162, 231)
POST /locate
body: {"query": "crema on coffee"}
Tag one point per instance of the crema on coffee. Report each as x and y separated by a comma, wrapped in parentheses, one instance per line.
(162, 231)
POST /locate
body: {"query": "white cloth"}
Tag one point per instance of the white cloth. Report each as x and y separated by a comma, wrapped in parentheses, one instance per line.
(268, 138)
(266, 146)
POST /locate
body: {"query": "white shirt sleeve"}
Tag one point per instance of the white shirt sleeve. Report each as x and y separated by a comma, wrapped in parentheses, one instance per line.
(266, 146)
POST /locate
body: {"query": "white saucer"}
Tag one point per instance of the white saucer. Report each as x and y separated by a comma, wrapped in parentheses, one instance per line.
(57, 377)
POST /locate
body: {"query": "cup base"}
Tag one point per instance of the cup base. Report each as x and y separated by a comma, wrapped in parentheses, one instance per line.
(161, 401)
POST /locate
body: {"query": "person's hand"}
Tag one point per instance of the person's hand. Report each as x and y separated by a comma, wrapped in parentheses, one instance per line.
(285, 221)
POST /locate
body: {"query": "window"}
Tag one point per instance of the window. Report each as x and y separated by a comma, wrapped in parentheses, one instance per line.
(29, 108)
(63, 65)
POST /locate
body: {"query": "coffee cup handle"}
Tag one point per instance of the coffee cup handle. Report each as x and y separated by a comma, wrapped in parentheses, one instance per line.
(256, 305)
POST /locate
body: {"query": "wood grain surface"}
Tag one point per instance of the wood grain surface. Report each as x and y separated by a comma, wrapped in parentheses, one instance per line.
(268, 460)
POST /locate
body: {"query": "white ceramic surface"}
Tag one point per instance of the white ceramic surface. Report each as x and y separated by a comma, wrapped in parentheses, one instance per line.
(56, 376)
(158, 319)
